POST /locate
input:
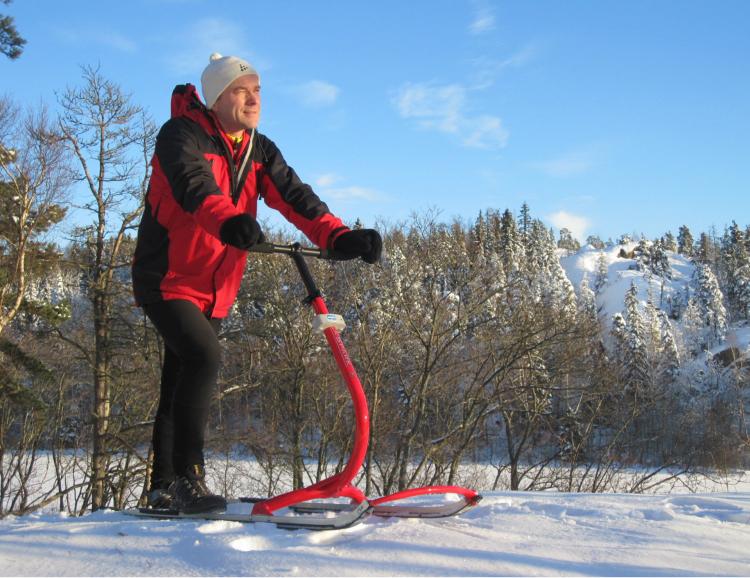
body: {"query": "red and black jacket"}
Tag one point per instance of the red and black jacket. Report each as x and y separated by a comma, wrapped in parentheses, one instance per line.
(194, 188)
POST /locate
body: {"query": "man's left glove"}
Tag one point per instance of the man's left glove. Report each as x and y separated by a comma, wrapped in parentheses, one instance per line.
(241, 231)
(365, 243)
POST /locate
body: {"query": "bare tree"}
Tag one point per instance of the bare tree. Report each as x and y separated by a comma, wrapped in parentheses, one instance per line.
(111, 139)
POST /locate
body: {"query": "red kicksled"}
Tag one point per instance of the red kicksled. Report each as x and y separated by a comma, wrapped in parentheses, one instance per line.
(340, 486)
(306, 510)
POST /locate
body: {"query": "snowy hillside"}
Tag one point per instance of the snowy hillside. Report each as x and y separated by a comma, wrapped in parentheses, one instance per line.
(620, 273)
(616, 273)
(506, 534)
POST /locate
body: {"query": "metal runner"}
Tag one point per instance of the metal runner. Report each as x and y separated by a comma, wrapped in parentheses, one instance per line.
(302, 519)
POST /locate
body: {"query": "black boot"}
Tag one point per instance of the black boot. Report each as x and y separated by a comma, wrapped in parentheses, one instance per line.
(159, 499)
(190, 494)
(158, 496)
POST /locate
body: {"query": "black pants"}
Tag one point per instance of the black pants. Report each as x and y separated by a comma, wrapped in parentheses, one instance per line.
(192, 356)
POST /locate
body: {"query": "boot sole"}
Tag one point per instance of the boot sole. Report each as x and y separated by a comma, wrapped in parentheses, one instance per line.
(205, 505)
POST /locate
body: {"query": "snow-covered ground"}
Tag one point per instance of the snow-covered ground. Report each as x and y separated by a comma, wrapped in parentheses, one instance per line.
(508, 533)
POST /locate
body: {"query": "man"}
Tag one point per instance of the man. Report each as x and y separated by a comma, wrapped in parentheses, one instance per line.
(210, 167)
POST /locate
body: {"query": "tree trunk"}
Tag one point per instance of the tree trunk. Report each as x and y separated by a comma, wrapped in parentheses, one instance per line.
(297, 431)
(100, 459)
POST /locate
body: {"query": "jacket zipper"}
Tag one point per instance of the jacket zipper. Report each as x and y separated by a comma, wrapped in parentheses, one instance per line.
(235, 196)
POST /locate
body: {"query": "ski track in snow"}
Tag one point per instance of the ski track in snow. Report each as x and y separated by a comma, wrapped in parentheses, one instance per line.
(508, 533)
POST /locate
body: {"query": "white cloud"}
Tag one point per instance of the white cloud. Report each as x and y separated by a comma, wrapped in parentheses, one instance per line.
(567, 165)
(327, 179)
(576, 224)
(485, 70)
(485, 132)
(329, 186)
(109, 38)
(441, 108)
(317, 93)
(484, 18)
(352, 193)
(520, 58)
(209, 35)
(117, 41)
(432, 106)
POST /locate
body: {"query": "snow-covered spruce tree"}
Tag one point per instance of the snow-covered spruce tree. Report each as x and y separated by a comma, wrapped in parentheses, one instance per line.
(535, 260)
(669, 242)
(595, 241)
(660, 260)
(587, 307)
(652, 258)
(649, 366)
(693, 329)
(478, 240)
(637, 372)
(685, 242)
(559, 289)
(510, 247)
(642, 254)
(709, 304)
(524, 221)
(670, 358)
(619, 336)
(567, 241)
(662, 350)
(741, 291)
(484, 256)
(602, 272)
(653, 329)
(544, 275)
(735, 271)
(707, 251)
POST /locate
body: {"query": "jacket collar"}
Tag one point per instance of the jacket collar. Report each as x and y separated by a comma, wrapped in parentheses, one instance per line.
(186, 103)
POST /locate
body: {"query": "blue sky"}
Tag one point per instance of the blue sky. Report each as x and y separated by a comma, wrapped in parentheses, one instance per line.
(605, 117)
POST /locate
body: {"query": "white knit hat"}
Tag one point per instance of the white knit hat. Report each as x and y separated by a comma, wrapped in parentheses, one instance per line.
(220, 73)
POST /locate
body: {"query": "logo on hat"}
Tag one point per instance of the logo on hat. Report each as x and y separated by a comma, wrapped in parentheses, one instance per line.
(243, 68)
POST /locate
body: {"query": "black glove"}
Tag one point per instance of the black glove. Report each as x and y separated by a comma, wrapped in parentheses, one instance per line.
(241, 231)
(365, 243)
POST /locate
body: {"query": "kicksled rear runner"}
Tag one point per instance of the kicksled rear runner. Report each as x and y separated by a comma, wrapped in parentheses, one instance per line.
(306, 507)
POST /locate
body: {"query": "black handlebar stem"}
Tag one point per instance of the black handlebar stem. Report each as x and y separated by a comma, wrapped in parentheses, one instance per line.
(298, 253)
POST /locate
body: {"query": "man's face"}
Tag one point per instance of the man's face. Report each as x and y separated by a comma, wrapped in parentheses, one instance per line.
(238, 107)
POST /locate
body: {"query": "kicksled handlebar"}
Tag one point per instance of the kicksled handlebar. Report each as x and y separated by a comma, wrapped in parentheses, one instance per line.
(297, 248)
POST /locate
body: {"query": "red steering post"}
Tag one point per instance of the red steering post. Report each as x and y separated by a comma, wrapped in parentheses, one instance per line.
(338, 485)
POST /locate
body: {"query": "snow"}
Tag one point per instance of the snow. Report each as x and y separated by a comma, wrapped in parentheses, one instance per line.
(508, 533)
